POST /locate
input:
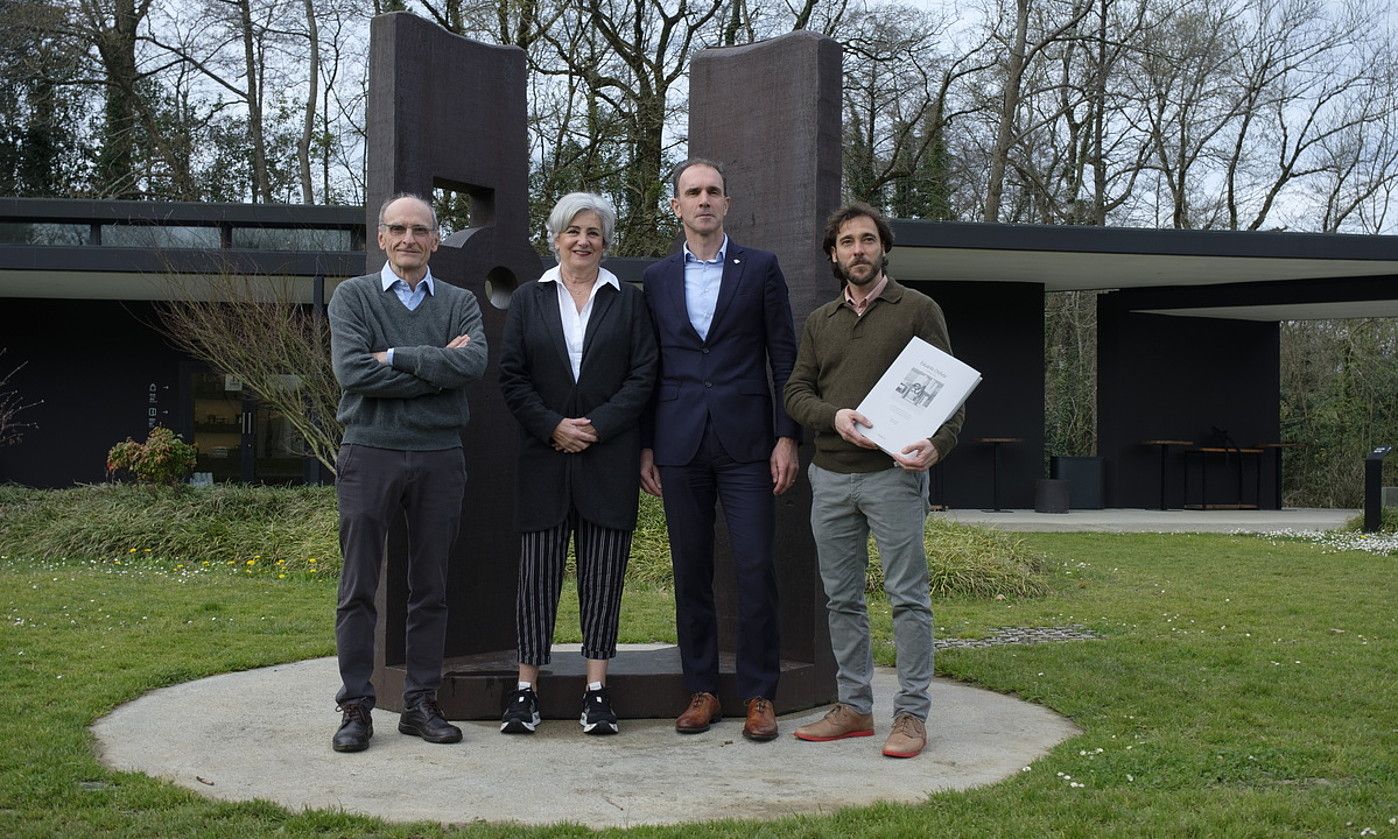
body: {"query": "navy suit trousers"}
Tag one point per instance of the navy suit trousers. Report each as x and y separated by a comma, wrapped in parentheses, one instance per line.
(749, 509)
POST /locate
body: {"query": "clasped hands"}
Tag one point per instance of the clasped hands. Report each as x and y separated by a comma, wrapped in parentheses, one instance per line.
(917, 457)
(454, 344)
(573, 434)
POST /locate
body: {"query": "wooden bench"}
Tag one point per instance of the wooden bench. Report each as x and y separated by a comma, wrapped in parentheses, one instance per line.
(1201, 455)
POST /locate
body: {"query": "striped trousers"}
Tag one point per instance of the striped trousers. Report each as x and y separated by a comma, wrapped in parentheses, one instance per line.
(602, 555)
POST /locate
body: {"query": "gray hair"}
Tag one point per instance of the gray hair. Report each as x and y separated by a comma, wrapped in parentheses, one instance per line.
(573, 203)
(383, 208)
(696, 161)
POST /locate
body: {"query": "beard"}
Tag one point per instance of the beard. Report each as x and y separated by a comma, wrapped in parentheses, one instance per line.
(844, 274)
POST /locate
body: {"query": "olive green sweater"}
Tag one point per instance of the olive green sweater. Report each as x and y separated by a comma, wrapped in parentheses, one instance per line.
(842, 356)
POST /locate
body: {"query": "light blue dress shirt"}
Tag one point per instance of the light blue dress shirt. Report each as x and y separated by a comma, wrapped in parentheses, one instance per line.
(409, 297)
(702, 279)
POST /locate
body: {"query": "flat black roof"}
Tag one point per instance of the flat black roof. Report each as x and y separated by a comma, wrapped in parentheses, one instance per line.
(92, 211)
(1268, 275)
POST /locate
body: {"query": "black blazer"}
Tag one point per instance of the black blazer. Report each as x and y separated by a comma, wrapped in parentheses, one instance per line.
(613, 388)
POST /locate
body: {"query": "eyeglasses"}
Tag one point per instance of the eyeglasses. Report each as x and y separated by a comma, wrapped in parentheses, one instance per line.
(400, 229)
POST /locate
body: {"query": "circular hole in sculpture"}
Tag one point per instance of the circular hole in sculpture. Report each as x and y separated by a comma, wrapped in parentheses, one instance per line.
(500, 283)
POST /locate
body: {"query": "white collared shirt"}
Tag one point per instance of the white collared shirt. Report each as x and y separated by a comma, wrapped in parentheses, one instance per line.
(409, 297)
(702, 280)
(574, 321)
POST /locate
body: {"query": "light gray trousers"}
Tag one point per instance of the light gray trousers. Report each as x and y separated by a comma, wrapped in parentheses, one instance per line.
(892, 504)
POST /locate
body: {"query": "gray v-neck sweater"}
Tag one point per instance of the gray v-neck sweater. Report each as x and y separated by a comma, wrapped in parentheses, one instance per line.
(418, 403)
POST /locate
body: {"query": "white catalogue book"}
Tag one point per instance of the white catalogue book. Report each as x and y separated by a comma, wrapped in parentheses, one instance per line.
(917, 393)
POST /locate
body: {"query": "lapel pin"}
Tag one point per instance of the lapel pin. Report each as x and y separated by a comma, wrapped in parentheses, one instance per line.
(736, 260)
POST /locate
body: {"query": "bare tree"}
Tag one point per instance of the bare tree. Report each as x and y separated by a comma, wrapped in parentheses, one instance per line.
(897, 93)
(231, 44)
(1301, 76)
(258, 331)
(303, 145)
(1359, 167)
(650, 48)
(1078, 158)
(11, 406)
(1070, 374)
(1022, 47)
(340, 139)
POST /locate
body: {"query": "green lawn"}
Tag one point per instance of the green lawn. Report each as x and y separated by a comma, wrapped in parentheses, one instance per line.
(1241, 688)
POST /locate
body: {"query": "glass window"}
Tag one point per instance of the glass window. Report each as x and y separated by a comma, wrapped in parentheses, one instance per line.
(23, 233)
(291, 239)
(158, 236)
(218, 425)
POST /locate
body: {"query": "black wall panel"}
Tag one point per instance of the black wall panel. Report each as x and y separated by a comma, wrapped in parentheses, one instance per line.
(1169, 377)
(997, 328)
(102, 373)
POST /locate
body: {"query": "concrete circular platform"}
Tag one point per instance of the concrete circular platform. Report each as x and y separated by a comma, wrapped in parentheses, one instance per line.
(265, 734)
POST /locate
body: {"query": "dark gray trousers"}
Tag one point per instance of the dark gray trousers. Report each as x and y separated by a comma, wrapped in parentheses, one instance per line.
(375, 487)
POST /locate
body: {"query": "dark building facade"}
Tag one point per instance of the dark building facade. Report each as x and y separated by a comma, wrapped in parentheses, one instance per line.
(80, 290)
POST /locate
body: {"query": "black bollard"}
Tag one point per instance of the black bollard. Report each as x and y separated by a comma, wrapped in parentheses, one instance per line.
(1373, 488)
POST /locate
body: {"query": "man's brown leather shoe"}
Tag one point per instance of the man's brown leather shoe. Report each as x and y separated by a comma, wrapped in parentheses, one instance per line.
(702, 712)
(761, 724)
(839, 722)
(908, 737)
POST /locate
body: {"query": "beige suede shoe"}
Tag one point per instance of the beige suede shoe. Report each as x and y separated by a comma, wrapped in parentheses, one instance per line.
(840, 722)
(907, 738)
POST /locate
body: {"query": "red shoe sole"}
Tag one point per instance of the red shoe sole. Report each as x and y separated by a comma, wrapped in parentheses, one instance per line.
(901, 755)
(809, 739)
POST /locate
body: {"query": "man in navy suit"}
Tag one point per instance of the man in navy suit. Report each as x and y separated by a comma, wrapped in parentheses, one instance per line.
(722, 317)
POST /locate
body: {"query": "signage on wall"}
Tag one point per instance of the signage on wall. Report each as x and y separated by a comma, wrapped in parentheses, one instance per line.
(154, 413)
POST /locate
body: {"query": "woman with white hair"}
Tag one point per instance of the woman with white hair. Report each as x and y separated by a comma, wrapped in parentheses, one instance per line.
(577, 369)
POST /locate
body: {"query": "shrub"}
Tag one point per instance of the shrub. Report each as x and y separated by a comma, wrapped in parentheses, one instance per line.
(163, 459)
(292, 527)
(296, 529)
(962, 560)
(1388, 521)
(968, 561)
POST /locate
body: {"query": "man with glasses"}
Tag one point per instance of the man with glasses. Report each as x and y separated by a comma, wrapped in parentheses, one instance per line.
(403, 346)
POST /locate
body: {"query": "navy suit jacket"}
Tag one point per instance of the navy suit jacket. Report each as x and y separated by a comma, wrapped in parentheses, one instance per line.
(723, 377)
